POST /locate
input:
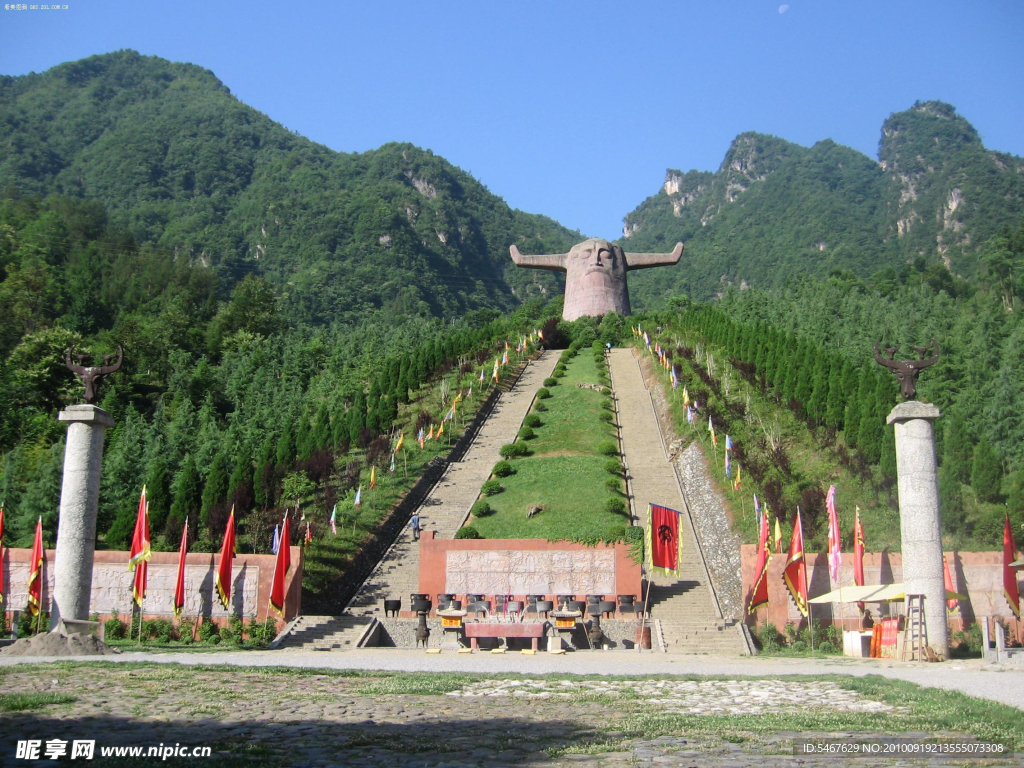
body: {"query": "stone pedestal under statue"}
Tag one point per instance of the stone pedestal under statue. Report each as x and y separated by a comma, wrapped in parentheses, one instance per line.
(79, 503)
(920, 520)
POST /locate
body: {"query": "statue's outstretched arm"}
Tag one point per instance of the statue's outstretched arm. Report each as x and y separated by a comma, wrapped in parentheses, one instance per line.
(644, 260)
(551, 261)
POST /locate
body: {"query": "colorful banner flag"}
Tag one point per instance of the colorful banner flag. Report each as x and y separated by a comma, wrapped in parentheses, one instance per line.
(140, 552)
(947, 580)
(686, 397)
(835, 555)
(401, 442)
(759, 591)
(778, 536)
(430, 434)
(179, 580)
(419, 437)
(711, 429)
(227, 554)
(392, 467)
(675, 379)
(35, 575)
(689, 415)
(757, 511)
(858, 552)
(140, 548)
(1, 555)
(664, 540)
(440, 430)
(795, 574)
(276, 542)
(727, 464)
(1010, 555)
(359, 496)
(281, 566)
(334, 521)
(728, 443)
(309, 535)
(736, 483)
(373, 477)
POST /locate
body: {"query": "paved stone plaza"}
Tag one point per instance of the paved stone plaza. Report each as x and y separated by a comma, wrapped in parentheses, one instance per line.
(312, 717)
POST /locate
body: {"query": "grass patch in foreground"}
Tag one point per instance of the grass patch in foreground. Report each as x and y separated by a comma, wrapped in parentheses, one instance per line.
(572, 490)
(29, 702)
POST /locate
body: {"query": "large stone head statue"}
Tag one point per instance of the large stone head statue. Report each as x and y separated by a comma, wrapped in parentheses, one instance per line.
(595, 274)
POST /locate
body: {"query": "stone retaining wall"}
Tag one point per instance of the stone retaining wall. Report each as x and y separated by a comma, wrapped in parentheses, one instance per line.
(252, 577)
(978, 575)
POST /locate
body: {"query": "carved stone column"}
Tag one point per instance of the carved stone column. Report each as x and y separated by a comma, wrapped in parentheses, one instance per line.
(920, 519)
(79, 503)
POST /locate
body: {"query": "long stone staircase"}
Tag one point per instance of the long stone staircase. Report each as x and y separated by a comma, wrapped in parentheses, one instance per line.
(686, 607)
(397, 574)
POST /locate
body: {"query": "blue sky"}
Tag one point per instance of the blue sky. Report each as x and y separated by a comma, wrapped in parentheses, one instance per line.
(571, 109)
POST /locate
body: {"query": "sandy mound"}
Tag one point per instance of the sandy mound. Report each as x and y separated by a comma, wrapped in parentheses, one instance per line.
(58, 645)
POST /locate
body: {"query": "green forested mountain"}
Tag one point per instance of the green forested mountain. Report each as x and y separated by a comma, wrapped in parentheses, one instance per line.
(775, 211)
(185, 166)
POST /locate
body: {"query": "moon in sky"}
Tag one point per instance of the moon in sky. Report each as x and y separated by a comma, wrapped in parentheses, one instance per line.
(783, 8)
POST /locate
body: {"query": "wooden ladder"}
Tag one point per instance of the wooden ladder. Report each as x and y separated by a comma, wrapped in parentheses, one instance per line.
(916, 637)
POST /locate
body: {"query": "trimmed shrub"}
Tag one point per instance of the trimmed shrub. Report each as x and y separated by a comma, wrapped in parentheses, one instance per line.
(526, 433)
(559, 373)
(615, 533)
(114, 628)
(799, 645)
(826, 647)
(606, 391)
(543, 393)
(613, 467)
(613, 484)
(605, 416)
(608, 405)
(532, 420)
(599, 359)
(513, 450)
(503, 469)
(539, 407)
(481, 509)
(550, 381)
(468, 532)
(607, 448)
(262, 634)
(209, 632)
(491, 488)
(615, 506)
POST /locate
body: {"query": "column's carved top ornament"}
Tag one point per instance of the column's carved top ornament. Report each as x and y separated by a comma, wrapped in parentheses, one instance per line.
(595, 274)
(907, 370)
(92, 376)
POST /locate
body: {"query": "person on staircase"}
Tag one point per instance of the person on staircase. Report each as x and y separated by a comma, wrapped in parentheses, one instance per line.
(415, 522)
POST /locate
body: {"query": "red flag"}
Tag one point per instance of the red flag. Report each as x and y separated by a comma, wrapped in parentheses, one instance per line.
(140, 551)
(947, 581)
(796, 570)
(1009, 574)
(140, 538)
(227, 552)
(35, 576)
(835, 554)
(281, 566)
(664, 540)
(1, 554)
(179, 582)
(309, 536)
(759, 593)
(858, 553)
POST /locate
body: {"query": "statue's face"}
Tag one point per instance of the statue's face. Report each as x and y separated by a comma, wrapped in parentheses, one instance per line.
(594, 256)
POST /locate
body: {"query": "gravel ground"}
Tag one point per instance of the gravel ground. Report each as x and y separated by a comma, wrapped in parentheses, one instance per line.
(251, 718)
(1002, 683)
